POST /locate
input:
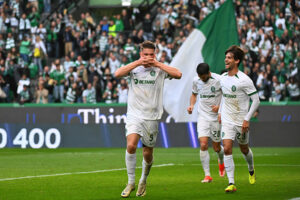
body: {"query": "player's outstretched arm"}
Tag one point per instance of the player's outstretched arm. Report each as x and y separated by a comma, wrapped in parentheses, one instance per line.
(193, 100)
(219, 111)
(253, 108)
(172, 71)
(124, 71)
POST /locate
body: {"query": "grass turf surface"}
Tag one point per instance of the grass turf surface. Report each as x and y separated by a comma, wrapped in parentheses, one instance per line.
(278, 174)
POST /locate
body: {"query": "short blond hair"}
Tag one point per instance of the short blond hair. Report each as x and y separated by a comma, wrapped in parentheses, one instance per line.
(147, 45)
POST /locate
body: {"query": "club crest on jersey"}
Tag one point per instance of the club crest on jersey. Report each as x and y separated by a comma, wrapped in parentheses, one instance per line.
(152, 73)
(233, 88)
(213, 89)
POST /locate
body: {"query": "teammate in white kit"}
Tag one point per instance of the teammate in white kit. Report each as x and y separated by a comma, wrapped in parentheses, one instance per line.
(145, 108)
(207, 85)
(234, 113)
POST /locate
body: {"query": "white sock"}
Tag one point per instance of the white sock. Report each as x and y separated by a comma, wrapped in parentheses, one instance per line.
(130, 165)
(204, 157)
(221, 155)
(145, 171)
(229, 167)
(249, 160)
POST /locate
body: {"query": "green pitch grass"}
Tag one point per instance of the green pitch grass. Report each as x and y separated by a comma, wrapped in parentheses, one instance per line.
(278, 174)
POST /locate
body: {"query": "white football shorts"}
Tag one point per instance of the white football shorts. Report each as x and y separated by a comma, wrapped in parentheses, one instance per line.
(231, 131)
(209, 129)
(147, 129)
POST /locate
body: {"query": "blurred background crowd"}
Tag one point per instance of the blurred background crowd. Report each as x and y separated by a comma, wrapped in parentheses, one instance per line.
(51, 56)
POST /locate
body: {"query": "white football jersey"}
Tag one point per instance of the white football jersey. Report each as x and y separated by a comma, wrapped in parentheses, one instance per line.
(209, 94)
(145, 96)
(236, 90)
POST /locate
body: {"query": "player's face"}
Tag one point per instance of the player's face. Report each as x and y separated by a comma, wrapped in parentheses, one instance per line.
(204, 77)
(230, 63)
(147, 54)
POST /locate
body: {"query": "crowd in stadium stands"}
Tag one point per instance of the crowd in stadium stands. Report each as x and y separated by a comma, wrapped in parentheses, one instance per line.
(68, 60)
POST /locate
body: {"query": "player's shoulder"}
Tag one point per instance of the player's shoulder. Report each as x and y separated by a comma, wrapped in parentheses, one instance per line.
(196, 79)
(244, 77)
(225, 74)
(216, 76)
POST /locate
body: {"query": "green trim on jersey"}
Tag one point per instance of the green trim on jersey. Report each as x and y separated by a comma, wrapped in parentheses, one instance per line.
(252, 93)
(236, 76)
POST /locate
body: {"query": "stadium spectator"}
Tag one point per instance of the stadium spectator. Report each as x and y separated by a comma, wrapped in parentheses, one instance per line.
(25, 49)
(122, 91)
(277, 90)
(110, 93)
(293, 89)
(71, 96)
(4, 85)
(10, 42)
(24, 95)
(68, 39)
(98, 85)
(147, 27)
(58, 81)
(269, 33)
(24, 26)
(89, 94)
(23, 81)
(41, 94)
(119, 23)
(82, 72)
(92, 71)
(39, 52)
(114, 63)
(81, 85)
(127, 21)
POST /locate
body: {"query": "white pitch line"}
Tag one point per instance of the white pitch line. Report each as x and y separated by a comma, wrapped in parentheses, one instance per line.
(263, 165)
(120, 169)
(74, 173)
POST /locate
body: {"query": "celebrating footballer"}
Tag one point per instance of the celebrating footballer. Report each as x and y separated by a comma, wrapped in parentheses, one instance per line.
(145, 108)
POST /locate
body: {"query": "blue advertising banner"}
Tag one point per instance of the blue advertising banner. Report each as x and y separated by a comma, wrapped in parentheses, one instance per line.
(60, 126)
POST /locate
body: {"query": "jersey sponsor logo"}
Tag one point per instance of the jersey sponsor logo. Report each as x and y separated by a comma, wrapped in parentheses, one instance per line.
(233, 88)
(206, 96)
(229, 95)
(213, 89)
(152, 73)
(149, 82)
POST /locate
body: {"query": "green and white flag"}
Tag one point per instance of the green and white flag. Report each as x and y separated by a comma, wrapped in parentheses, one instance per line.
(208, 44)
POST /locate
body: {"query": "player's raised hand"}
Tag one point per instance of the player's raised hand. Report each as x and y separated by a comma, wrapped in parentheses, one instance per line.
(245, 126)
(151, 61)
(142, 61)
(215, 108)
(190, 109)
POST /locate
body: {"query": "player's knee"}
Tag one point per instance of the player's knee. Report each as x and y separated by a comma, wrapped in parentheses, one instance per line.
(131, 148)
(217, 148)
(244, 150)
(203, 146)
(227, 151)
(148, 156)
